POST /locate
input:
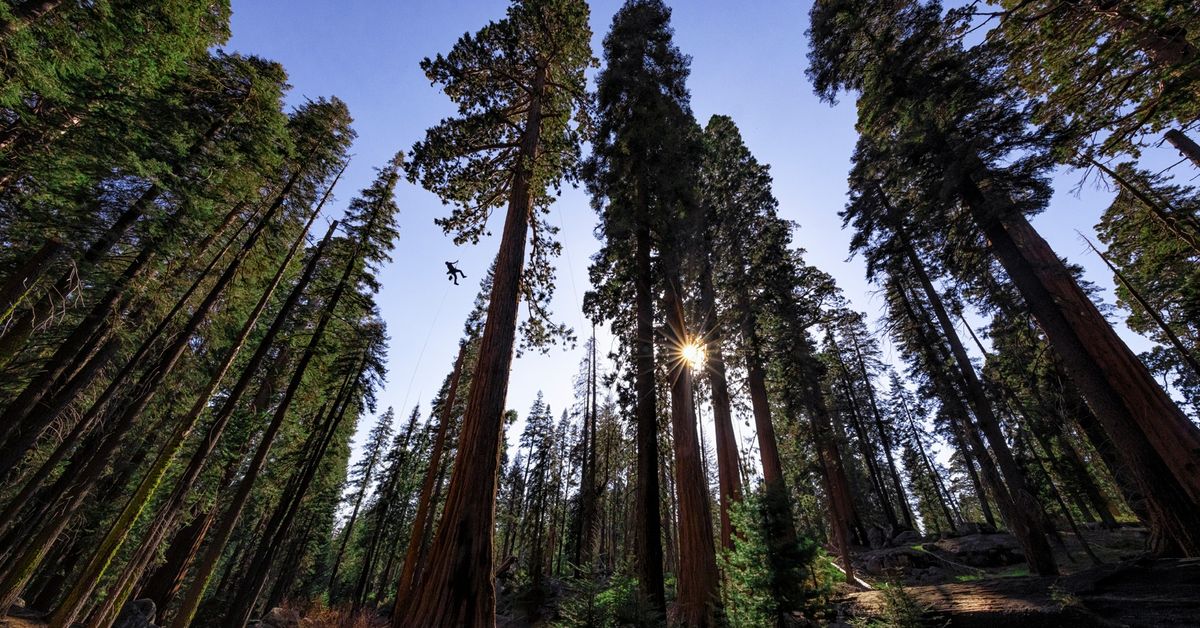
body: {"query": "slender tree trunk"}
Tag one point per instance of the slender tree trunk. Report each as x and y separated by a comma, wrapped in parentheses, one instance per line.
(21, 282)
(697, 599)
(728, 480)
(148, 387)
(170, 510)
(118, 531)
(1182, 227)
(1157, 441)
(33, 414)
(1185, 145)
(280, 523)
(15, 336)
(208, 561)
(412, 557)
(168, 578)
(1023, 520)
(937, 477)
(884, 439)
(864, 444)
(1153, 313)
(589, 494)
(836, 487)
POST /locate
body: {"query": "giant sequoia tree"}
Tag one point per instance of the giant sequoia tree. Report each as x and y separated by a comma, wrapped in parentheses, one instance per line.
(641, 174)
(902, 58)
(519, 86)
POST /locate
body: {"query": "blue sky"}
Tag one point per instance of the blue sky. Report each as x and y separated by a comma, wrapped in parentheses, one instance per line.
(748, 61)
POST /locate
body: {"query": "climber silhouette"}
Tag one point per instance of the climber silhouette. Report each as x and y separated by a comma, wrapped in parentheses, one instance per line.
(453, 273)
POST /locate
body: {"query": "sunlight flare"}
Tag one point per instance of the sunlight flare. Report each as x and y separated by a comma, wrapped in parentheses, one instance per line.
(692, 352)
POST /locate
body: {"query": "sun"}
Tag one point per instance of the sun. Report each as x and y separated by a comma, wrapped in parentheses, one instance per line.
(692, 352)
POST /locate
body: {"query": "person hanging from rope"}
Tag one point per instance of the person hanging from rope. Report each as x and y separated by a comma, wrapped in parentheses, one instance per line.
(453, 273)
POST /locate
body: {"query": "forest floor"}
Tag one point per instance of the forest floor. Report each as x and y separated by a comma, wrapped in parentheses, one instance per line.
(980, 581)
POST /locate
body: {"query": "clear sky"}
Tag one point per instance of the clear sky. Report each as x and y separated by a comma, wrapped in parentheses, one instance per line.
(748, 61)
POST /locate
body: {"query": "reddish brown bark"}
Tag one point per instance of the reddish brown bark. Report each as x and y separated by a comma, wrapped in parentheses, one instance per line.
(728, 479)
(416, 540)
(697, 579)
(458, 588)
(1023, 518)
(1156, 440)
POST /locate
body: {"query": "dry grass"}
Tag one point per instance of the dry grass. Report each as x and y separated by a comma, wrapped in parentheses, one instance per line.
(321, 616)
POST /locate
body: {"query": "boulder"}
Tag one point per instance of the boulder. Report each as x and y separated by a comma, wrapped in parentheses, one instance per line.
(983, 550)
(906, 538)
(281, 618)
(876, 538)
(881, 562)
(137, 614)
(974, 527)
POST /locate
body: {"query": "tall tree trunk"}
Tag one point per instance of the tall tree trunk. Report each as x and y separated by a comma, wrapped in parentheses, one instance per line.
(174, 504)
(147, 387)
(697, 599)
(120, 528)
(589, 493)
(648, 517)
(21, 282)
(410, 574)
(884, 439)
(48, 410)
(165, 582)
(1181, 226)
(14, 337)
(728, 480)
(1150, 311)
(458, 587)
(250, 587)
(865, 446)
(1185, 145)
(93, 329)
(1157, 441)
(1023, 520)
(208, 561)
(841, 511)
(942, 493)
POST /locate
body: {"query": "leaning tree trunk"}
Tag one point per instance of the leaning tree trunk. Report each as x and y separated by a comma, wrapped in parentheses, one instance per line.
(50, 409)
(884, 439)
(1150, 311)
(148, 386)
(252, 582)
(1185, 145)
(416, 541)
(697, 599)
(458, 588)
(208, 562)
(14, 337)
(21, 282)
(834, 474)
(1023, 519)
(174, 504)
(120, 528)
(864, 444)
(93, 329)
(933, 473)
(1156, 440)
